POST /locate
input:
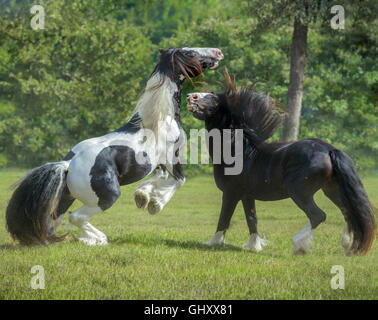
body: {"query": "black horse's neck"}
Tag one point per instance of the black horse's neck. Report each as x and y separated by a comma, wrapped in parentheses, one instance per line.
(220, 121)
(224, 120)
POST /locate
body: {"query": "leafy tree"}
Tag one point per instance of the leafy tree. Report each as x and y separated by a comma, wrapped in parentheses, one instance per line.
(78, 78)
(303, 14)
(82, 75)
(340, 87)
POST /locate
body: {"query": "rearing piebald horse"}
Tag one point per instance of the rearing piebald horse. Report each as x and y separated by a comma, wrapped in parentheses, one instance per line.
(94, 169)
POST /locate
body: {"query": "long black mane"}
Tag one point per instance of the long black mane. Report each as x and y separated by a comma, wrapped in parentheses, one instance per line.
(174, 62)
(255, 113)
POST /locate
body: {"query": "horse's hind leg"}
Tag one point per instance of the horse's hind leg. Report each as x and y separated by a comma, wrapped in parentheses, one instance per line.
(90, 235)
(64, 203)
(303, 240)
(107, 189)
(255, 242)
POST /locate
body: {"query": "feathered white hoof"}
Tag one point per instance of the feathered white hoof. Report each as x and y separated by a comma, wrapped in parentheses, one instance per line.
(93, 241)
(303, 240)
(217, 239)
(154, 206)
(347, 240)
(255, 243)
(93, 237)
(141, 199)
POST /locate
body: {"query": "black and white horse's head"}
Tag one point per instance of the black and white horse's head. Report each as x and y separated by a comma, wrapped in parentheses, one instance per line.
(181, 63)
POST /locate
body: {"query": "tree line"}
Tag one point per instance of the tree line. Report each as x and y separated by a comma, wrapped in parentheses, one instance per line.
(82, 75)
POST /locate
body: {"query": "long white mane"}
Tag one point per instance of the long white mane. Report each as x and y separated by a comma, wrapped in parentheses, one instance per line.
(156, 103)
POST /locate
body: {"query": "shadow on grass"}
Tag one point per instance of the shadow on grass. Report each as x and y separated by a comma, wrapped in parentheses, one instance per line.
(10, 247)
(187, 244)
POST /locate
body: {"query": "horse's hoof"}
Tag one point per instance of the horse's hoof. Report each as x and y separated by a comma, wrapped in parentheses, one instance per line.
(247, 246)
(301, 248)
(299, 251)
(94, 241)
(303, 240)
(255, 243)
(347, 241)
(141, 199)
(211, 243)
(217, 239)
(154, 206)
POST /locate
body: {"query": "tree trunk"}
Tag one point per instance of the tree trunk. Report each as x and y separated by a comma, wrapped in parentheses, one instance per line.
(295, 90)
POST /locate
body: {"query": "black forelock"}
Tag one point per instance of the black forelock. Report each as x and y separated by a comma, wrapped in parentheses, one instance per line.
(173, 62)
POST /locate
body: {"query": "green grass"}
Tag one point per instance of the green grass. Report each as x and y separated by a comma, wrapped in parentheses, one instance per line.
(161, 257)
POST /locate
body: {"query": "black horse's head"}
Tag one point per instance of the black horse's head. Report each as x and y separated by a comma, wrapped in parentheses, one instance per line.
(181, 63)
(203, 105)
(255, 113)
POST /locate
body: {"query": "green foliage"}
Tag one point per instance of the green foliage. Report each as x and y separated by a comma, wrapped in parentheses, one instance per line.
(78, 78)
(82, 75)
(340, 95)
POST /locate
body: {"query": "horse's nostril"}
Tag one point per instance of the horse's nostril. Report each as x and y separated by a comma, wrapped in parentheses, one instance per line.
(191, 97)
(219, 54)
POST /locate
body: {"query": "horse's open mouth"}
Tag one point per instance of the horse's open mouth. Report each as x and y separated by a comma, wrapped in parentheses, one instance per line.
(210, 65)
(193, 107)
(215, 65)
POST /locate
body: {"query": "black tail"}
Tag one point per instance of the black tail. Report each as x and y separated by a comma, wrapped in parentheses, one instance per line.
(33, 207)
(357, 209)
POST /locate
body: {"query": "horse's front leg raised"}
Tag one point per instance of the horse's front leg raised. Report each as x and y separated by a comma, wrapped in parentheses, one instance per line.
(165, 189)
(144, 192)
(229, 202)
(156, 192)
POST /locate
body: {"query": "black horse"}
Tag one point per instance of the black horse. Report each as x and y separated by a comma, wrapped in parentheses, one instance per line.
(274, 171)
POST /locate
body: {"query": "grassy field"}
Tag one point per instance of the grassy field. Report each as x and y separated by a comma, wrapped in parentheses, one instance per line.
(161, 257)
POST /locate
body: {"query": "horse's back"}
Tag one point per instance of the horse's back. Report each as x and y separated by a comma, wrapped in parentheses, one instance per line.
(278, 164)
(307, 160)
